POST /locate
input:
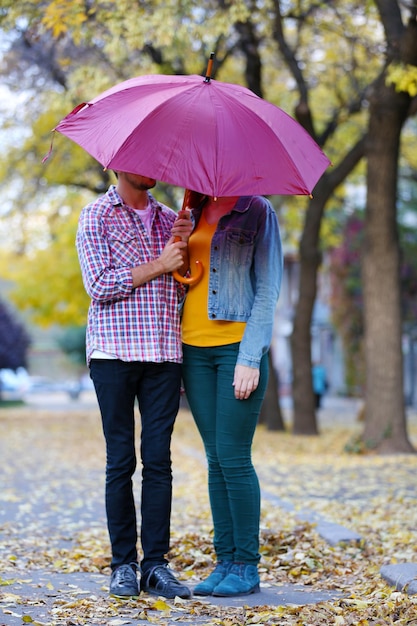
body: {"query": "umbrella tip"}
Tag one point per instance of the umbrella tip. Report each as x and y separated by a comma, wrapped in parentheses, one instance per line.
(46, 157)
(209, 68)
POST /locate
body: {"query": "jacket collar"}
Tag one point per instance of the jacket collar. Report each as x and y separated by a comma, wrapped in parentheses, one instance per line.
(241, 206)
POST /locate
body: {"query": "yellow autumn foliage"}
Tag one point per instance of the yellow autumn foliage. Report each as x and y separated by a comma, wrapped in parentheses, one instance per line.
(403, 77)
(47, 283)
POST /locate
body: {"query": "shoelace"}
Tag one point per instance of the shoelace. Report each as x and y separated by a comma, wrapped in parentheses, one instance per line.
(164, 575)
(125, 574)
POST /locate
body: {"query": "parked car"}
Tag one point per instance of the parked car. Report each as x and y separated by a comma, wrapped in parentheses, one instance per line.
(14, 384)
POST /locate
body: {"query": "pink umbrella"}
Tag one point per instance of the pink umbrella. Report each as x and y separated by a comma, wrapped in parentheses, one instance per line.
(216, 138)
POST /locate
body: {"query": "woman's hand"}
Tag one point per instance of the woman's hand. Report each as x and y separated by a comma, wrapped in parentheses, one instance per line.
(245, 381)
(183, 225)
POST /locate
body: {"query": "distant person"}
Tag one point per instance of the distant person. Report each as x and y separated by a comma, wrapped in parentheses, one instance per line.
(319, 383)
(126, 248)
(227, 329)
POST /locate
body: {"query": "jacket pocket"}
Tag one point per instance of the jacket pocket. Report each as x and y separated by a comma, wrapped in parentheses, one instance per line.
(239, 246)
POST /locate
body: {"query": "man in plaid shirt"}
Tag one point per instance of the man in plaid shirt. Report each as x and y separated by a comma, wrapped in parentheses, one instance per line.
(126, 248)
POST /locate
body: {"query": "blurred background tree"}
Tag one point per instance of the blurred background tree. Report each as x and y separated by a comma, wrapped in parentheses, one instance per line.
(14, 341)
(320, 61)
(72, 342)
(346, 284)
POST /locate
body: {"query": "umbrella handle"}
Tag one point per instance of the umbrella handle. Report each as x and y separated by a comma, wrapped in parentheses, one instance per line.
(190, 280)
(190, 198)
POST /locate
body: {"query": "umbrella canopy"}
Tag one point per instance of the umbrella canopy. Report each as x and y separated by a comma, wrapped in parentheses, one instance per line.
(216, 138)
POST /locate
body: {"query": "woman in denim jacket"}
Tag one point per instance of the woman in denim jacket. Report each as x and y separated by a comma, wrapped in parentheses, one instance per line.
(227, 328)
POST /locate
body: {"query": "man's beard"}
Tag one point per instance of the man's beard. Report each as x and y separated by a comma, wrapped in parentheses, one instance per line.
(143, 186)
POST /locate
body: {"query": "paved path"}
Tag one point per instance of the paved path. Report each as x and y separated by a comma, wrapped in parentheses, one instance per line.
(57, 513)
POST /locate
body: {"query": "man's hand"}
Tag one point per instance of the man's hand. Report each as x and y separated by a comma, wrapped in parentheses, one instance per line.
(172, 256)
(171, 259)
(183, 225)
(245, 381)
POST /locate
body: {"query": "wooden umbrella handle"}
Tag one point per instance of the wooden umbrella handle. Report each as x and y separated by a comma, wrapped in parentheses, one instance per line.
(191, 198)
(190, 280)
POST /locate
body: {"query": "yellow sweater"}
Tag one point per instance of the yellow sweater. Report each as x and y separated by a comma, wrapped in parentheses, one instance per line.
(197, 328)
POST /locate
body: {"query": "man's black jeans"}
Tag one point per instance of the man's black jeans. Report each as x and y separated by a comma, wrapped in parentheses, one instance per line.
(156, 386)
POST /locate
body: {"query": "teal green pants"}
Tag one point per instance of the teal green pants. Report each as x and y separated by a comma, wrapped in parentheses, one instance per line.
(227, 427)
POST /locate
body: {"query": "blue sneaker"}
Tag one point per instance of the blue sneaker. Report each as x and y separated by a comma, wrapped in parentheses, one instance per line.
(206, 587)
(241, 580)
(124, 582)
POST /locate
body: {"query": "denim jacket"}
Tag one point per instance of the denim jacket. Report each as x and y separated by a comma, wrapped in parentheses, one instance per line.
(246, 265)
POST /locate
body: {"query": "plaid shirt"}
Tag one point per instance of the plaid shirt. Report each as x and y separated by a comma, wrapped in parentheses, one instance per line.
(141, 324)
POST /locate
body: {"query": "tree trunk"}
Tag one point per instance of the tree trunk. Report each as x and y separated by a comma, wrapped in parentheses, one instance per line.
(271, 414)
(385, 423)
(304, 418)
(385, 420)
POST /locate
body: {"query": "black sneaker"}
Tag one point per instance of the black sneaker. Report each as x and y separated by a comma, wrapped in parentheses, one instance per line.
(124, 582)
(160, 581)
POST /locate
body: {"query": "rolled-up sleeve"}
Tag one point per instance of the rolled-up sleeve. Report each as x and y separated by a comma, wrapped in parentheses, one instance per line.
(103, 281)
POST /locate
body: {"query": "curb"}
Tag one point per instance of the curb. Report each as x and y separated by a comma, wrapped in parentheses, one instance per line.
(401, 576)
(331, 532)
